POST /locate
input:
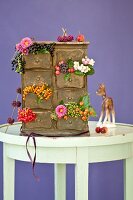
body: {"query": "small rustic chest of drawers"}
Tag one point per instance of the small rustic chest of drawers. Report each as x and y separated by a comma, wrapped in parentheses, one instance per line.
(40, 68)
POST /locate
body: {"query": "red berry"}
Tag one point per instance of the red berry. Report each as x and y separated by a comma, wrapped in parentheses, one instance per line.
(98, 130)
(57, 72)
(57, 68)
(72, 70)
(104, 130)
(69, 70)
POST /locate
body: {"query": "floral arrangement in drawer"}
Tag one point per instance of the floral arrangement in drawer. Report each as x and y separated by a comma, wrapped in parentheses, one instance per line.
(80, 68)
(28, 46)
(82, 110)
(42, 91)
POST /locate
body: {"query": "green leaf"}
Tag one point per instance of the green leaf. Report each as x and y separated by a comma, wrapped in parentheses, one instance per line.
(86, 101)
(61, 102)
(67, 76)
(92, 110)
(91, 72)
(39, 100)
(79, 73)
(70, 63)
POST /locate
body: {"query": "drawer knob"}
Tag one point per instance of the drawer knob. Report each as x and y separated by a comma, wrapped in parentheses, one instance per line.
(39, 120)
(69, 98)
(70, 122)
(37, 60)
(38, 78)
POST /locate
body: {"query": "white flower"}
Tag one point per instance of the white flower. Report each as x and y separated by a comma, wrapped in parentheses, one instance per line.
(85, 69)
(80, 67)
(76, 65)
(91, 62)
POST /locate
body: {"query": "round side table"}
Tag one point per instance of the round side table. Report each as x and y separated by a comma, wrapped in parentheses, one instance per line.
(116, 145)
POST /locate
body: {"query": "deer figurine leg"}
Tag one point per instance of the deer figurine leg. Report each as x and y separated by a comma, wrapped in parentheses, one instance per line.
(101, 117)
(113, 116)
(109, 118)
(106, 116)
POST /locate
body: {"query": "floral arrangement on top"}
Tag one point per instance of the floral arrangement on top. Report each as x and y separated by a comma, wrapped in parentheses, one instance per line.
(80, 68)
(81, 109)
(28, 45)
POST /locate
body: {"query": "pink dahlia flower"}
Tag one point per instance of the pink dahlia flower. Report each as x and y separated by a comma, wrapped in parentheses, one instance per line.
(19, 47)
(26, 42)
(61, 110)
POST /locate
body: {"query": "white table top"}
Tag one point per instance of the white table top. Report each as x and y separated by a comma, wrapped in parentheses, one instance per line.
(122, 133)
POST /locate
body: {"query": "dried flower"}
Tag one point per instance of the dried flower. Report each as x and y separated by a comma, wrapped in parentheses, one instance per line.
(10, 120)
(18, 90)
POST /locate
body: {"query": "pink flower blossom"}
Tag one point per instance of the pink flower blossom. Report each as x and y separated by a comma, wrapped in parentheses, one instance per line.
(61, 110)
(26, 42)
(25, 51)
(19, 47)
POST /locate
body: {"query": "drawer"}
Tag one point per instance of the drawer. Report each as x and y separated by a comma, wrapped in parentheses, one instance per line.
(75, 81)
(43, 120)
(31, 102)
(38, 61)
(72, 124)
(76, 54)
(70, 95)
(31, 77)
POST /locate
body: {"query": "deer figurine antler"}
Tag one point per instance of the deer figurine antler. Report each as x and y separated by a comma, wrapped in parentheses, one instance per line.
(107, 107)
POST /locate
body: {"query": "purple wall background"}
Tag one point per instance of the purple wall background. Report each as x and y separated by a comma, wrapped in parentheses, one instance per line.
(109, 27)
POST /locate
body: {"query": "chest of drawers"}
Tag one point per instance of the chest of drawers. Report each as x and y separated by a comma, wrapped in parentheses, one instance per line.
(40, 68)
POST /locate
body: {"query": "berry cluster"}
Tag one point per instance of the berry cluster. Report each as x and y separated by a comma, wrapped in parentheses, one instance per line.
(65, 37)
(26, 115)
(81, 109)
(15, 104)
(41, 48)
(63, 67)
(18, 62)
(101, 130)
(42, 91)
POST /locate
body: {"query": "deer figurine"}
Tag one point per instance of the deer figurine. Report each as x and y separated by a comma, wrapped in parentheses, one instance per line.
(107, 107)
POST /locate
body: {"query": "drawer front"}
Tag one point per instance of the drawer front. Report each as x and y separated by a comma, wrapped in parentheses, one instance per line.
(68, 95)
(38, 61)
(43, 120)
(31, 102)
(36, 77)
(66, 54)
(71, 124)
(75, 81)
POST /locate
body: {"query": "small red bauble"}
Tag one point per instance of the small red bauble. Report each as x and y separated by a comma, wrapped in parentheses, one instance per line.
(104, 130)
(80, 38)
(98, 130)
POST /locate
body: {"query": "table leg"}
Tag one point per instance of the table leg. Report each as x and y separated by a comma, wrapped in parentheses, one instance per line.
(128, 179)
(81, 174)
(8, 176)
(60, 181)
